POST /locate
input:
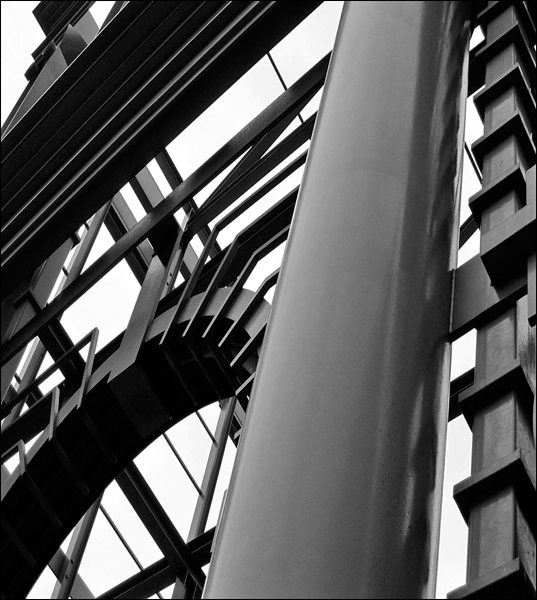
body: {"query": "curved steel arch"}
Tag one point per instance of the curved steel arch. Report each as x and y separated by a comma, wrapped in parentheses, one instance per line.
(42, 501)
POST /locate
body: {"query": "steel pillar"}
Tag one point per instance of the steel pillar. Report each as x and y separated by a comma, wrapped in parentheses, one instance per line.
(336, 489)
(496, 499)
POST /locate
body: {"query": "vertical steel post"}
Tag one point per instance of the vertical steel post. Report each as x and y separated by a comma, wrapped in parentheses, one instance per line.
(212, 470)
(336, 489)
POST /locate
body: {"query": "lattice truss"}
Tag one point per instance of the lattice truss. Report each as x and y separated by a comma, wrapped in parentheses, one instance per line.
(93, 158)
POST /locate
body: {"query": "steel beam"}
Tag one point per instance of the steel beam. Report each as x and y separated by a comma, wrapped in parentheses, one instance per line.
(158, 523)
(160, 574)
(58, 565)
(67, 577)
(17, 312)
(285, 104)
(212, 469)
(337, 486)
(113, 159)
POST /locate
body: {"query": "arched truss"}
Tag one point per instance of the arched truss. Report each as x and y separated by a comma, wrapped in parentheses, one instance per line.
(195, 332)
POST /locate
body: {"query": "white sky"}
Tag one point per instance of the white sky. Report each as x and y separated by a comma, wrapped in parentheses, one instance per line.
(108, 304)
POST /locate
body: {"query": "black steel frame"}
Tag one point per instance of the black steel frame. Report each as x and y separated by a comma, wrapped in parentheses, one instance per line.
(195, 343)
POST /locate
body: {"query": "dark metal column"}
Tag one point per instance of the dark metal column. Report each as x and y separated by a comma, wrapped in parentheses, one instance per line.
(496, 500)
(336, 490)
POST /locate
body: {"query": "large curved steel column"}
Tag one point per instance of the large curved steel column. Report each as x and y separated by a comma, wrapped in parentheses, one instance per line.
(336, 490)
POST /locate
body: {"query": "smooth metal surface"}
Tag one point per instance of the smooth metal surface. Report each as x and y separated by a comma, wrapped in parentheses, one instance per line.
(336, 488)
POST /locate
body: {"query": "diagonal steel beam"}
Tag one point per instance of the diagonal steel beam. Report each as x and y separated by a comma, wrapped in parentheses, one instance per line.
(159, 524)
(160, 574)
(106, 164)
(251, 133)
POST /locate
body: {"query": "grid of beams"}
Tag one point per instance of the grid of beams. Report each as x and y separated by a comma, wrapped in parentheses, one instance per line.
(207, 330)
(195, 333)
